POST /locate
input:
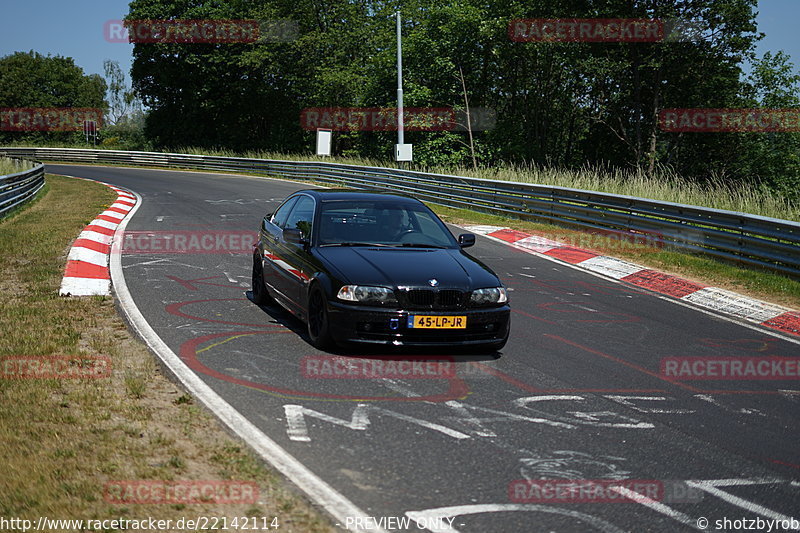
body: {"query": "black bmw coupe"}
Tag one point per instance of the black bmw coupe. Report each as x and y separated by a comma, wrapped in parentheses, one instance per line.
(370, 267)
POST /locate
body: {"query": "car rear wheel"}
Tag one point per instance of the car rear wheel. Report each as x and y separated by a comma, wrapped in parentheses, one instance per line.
(318, 325)
(260, 294)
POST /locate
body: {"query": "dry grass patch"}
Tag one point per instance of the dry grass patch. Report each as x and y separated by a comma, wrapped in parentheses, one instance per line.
(62, 440)
(12, 165)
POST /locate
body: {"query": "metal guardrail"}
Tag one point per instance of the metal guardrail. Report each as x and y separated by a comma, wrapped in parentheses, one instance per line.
(743, 238)
(18, 188)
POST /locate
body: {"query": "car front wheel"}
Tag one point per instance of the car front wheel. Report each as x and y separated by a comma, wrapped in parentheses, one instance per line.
(318, 324)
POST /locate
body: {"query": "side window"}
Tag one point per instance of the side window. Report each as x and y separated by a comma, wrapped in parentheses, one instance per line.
(302, 215)
(279, 216)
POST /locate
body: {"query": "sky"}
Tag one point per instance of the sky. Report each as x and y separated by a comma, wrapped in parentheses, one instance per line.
(74, 28)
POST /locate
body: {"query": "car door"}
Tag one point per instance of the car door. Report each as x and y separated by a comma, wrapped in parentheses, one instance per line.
(295, 269)
(270, 238)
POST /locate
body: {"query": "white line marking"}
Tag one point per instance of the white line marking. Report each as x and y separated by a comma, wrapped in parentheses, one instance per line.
(94, 236)
(611, 266)
(657, 506)
(318, 490)
(537, 244)
(298, 430)
(104, 223)
(713, 401)
(522, 402)
(113, 214)
(427, 517)
(483, 230)
(752, 507)
(84, 286)
(79, 253)
(625, 400)
(735, 304)
(736, 482)
(424, 423)
(791, 395)
(469, 419)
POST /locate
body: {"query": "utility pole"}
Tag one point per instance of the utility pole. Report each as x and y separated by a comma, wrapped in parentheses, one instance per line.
(402, 151)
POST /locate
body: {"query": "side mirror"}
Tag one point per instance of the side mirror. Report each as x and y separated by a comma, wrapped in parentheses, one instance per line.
(266, 221)
(465, 240)
(294, 236)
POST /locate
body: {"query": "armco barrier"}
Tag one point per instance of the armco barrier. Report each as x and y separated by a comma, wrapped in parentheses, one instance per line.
(753, 240)
(15, 189)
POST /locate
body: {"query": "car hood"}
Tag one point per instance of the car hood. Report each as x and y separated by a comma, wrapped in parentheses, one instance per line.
(411, 267)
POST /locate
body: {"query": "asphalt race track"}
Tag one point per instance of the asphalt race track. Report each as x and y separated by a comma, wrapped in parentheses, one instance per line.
(577, 394)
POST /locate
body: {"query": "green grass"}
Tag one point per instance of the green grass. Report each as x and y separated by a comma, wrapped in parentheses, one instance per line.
(665, 185)
(61, 440)
(12, 166)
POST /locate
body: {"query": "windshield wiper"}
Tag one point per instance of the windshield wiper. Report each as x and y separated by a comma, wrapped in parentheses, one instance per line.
(353, 244)
(420, 245)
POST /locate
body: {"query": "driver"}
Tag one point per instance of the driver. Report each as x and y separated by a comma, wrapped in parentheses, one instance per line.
(393, 225)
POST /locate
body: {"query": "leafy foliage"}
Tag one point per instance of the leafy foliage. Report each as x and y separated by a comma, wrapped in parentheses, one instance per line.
(29, 79)
(561, 104)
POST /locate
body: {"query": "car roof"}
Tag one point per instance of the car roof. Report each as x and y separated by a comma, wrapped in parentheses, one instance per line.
(332, 195)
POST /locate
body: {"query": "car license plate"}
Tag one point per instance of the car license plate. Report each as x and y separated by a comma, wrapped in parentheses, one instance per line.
(437, 322)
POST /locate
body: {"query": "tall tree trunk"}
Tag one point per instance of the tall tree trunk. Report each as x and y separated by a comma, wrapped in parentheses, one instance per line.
(651, 152)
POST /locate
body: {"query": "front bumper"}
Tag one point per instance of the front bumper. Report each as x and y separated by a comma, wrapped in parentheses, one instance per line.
(376, 325)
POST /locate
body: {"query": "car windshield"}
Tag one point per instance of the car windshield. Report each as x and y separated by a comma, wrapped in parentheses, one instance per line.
(381, 223)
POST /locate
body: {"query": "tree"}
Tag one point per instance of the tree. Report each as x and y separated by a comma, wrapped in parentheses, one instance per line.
(566, 104)
(30, 79)
(774, 158)
(121, 100)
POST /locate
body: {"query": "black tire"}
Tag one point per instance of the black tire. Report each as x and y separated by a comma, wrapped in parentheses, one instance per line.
(319, 332)
(260, 294)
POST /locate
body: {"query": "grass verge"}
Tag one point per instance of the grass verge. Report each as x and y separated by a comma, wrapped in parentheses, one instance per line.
(665, 184)
(12, 166)
(63, 440)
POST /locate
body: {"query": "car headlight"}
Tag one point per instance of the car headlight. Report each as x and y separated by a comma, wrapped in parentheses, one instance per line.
(493, 295)
(365, 294)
